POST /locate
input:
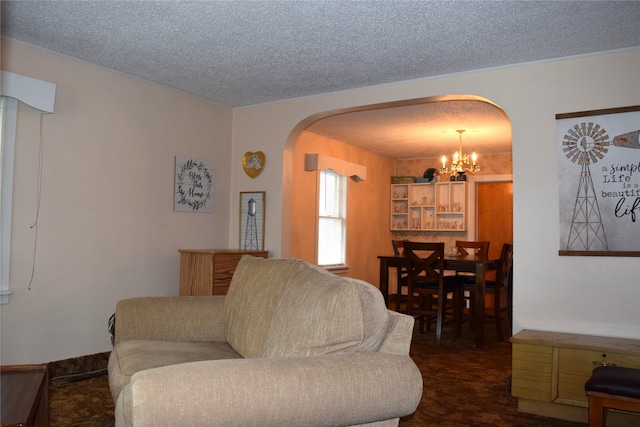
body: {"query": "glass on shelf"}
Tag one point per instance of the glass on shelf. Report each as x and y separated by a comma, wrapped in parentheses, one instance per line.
(400, 193)
(399, 208)
(400, 225)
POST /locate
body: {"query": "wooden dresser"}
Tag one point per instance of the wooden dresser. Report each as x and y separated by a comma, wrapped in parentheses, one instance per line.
(549, 370)
(209, 271)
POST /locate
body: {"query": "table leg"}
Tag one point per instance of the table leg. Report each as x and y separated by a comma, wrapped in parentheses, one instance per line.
(384, 280)
(480, 291)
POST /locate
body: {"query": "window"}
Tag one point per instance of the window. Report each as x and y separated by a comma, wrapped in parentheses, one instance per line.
(8, 109)
(332, 219)
(37, 94)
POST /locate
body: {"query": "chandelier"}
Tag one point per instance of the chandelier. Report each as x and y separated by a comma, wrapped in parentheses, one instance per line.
(460, 163)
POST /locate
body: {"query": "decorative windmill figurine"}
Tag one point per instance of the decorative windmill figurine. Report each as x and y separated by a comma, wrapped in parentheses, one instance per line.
(584, 144)
(251, 234)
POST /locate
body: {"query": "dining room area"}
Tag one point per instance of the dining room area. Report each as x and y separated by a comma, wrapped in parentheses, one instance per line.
(463, 284)
(428, 170)
(450, 258)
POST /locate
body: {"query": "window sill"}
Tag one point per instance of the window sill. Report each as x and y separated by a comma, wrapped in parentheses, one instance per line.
(336, 269)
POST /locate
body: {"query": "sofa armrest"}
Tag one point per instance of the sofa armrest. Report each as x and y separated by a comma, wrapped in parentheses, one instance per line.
(196, 318)
(337, 390)
(399, 334)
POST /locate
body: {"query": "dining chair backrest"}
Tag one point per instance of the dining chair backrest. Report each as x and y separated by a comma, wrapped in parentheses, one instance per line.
(425, 261)
(481, 248)
(397, 245)
(503, 271)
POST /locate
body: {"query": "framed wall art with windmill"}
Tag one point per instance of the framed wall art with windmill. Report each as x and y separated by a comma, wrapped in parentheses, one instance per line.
(599, 178)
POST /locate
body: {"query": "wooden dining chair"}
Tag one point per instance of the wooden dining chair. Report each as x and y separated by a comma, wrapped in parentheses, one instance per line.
(480, 249)
(401, 272)
(425, 263)
(503, 284)
(397, 246)
(466, 247)
(501, 288)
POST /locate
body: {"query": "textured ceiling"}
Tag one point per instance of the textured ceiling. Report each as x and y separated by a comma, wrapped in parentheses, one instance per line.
(423, 130)
(240, 53)
(248, 52)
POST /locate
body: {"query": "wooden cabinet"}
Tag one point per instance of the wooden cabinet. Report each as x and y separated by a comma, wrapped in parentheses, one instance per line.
(209, 272)
(549, 370)
(431, 206)
(25, 392)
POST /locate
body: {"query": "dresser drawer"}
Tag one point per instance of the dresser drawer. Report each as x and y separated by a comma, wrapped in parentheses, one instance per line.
(209, 272)
(582, 362)
(531, 372)
(575, 367)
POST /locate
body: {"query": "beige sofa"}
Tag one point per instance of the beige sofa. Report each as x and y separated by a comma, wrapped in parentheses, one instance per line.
(289, 345)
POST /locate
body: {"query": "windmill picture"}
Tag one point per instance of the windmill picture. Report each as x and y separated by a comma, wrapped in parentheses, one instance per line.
(584, 144)
(599, 182)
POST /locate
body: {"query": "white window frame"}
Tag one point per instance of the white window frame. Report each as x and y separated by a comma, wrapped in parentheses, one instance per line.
(37, 94)
(7, 154)
(332, 209)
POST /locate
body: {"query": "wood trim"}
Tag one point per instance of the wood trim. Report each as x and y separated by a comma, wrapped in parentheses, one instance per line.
(598, 112)
(600, 253)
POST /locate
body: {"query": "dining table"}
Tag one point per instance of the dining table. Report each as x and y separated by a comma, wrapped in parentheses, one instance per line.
(471, 263)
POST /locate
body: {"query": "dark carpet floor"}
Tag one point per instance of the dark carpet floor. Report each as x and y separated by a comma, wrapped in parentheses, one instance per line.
(463, 386)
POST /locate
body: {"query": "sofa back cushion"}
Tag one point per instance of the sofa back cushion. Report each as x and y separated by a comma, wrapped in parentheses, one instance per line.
(287, 307)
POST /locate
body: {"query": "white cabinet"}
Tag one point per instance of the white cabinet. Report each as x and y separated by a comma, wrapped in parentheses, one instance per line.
(438, 206)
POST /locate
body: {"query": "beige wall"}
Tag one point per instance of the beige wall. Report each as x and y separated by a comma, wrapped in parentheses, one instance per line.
(368, 205)
(107, 229)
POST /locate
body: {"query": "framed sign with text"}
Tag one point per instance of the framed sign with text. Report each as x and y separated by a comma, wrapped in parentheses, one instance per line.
(599, 179)
(193, 186)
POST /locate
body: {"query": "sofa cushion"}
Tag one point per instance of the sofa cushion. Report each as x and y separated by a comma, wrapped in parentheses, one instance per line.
(129, 357)
(253, 295)
(287, 307)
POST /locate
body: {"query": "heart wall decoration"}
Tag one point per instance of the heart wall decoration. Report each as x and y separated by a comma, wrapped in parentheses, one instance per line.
(253, 163)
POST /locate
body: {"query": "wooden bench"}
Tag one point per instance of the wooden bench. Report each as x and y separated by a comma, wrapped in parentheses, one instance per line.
(612, 387)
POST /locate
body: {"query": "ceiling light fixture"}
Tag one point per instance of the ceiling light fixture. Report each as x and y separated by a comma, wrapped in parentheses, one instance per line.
(460, 163)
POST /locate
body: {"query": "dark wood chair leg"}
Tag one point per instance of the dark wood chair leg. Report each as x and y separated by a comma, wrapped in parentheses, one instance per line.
(428, 306)
(498, 313)
(423, 318)
(440, 317)
(507, 311)
(458, 309)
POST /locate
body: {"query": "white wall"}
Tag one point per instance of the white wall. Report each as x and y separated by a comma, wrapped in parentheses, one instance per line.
(593, 295)
(107, 229)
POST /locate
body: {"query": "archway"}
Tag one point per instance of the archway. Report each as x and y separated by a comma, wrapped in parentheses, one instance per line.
(299, 216)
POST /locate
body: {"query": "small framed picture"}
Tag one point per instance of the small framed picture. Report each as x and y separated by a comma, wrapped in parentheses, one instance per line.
(252, 221)
(193, 190)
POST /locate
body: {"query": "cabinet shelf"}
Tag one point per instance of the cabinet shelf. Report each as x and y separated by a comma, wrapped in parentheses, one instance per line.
(438, 206)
